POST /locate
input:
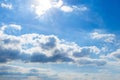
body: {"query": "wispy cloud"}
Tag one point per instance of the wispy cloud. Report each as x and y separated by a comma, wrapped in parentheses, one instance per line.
(6, 5)
(115, 55)
(66, 8)
(103, 36)
(14, 26)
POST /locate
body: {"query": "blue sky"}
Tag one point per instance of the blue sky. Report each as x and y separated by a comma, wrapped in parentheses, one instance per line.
(59, 39)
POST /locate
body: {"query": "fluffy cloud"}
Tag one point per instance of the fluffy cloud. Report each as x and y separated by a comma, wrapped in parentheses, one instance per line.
(105, 37)
(86, 51)
(6, 5)
(41, 48)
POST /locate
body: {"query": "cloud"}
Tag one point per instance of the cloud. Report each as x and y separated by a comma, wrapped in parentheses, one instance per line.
(8, 54)
(17, 27)
(42, 7)
(115, 54)
(50, 43)
(29, 73)
(73, 8)
(104, 37)
(66, 9)
(88, 76)
(6, 5)
(86, 51)
(40, 48)
(87, 61)
(10, 29)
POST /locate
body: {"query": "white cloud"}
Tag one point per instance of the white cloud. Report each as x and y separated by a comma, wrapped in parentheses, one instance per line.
(42, 7)
(59, 3)
(115, 54)
(105, 37)
(40, 48)
(17, 27)
(80, 8)
(66, 8)
(11, 29)
(6, 5)
(14, 26)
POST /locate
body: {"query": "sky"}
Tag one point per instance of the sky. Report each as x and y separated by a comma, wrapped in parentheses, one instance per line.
(59, 40)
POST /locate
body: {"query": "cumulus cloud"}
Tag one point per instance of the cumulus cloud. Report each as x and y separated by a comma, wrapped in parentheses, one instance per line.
(40, 48)
(86, 51)
(6, 5)
(105, 37)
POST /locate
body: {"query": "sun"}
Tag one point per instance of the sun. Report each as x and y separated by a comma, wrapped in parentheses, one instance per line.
(41, 6)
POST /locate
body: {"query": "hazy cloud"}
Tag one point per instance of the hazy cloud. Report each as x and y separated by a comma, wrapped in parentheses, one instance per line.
(115, 54)
(102, 36)
(6, 5)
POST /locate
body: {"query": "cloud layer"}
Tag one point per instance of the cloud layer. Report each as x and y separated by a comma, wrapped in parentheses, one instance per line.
(43, 48)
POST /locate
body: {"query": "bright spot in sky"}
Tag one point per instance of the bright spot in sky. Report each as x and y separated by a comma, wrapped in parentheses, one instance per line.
(41, 6)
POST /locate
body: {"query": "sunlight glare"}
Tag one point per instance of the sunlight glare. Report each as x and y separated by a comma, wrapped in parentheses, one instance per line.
(41, 6)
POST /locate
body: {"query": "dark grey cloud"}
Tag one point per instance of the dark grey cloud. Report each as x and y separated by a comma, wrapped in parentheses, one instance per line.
(82, 53)
(51, 43)
(86, 51)
(8, 54)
